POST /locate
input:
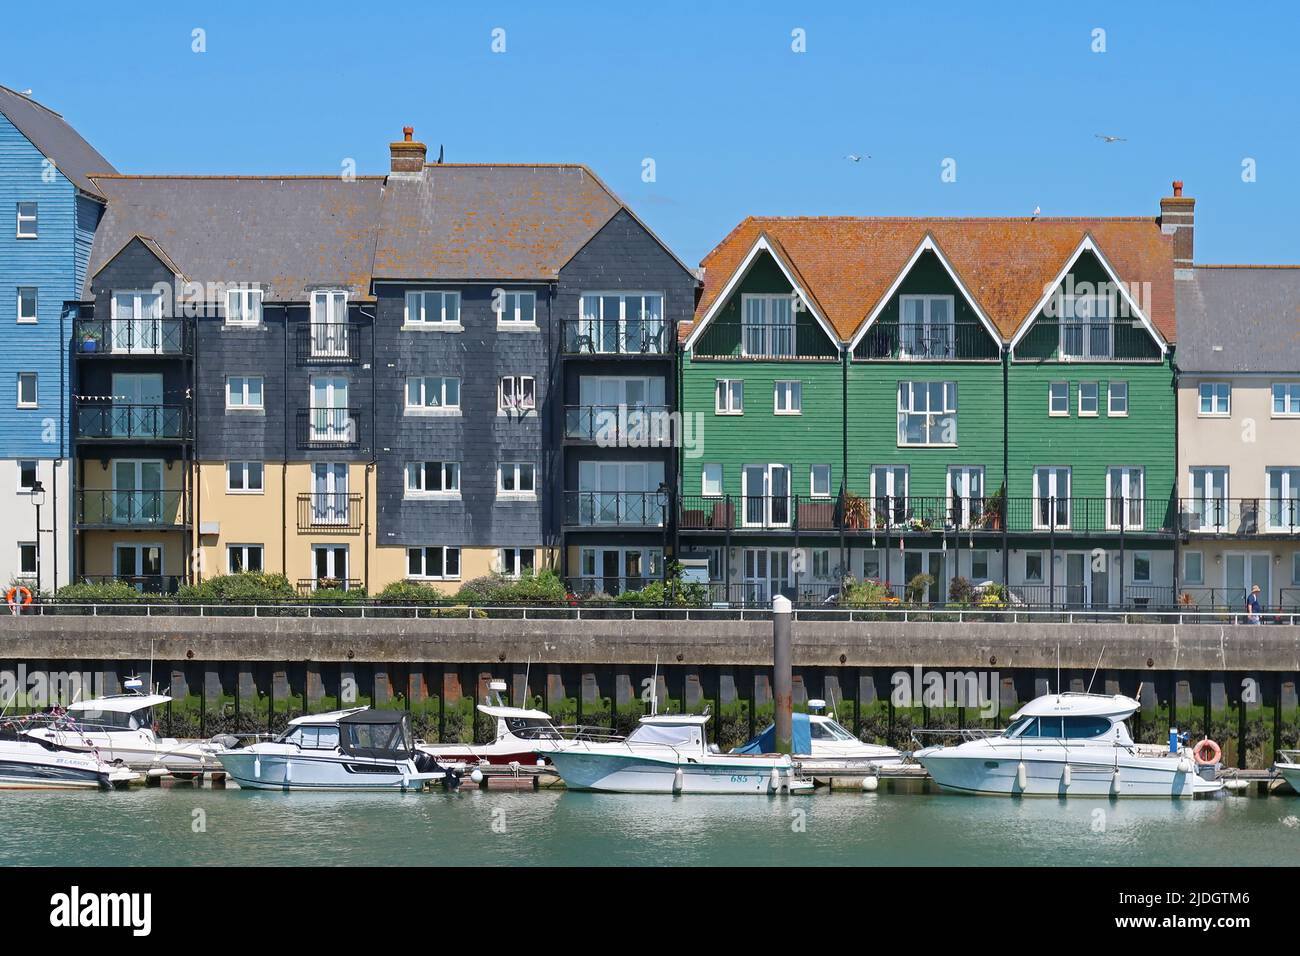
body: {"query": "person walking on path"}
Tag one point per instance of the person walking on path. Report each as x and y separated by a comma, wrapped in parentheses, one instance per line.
(1252, 605)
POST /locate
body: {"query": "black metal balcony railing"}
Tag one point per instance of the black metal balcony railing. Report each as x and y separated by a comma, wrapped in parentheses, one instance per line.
(1124, 340)
(619, 509)
(589, 586)
(149, 337)
(307, 586)
(328, 343)
(144, 583)
(632, 337)
(802, 341)
(152, 509)
(960, 341)
(132, 422)
(925, 514)
(642, 426)
(329, 511)
(328, 428)
(1239, 516)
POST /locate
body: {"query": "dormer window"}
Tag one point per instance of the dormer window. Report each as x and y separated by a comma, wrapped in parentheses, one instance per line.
(1085, 327)
(926, 327)
(244, 307)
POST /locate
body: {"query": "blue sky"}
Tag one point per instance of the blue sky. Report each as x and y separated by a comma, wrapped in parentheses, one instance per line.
(735, 121)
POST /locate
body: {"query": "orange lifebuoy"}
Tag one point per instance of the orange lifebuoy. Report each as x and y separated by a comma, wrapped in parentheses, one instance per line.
(1214, 753)
(18, 595)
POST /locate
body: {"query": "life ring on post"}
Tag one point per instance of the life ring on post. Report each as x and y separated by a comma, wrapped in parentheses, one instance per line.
(1204, 759)
(18, 595)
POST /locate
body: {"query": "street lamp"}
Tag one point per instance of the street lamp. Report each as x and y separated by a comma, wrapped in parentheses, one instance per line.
(38, 499)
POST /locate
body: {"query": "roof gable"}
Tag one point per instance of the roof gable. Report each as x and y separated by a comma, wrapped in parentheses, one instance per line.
(56, 139)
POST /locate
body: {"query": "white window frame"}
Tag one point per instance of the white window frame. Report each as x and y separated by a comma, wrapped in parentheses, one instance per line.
(775, 339)
(33, 218)
(510, 310)
(960, 479)
(1110, 399)
(1053, 474)
(510, 561)
(792, 392)
(416, 310)
(1068, 309)
(704, 480)
(1213, 504)
(1052, 410)
(443, 407)
(926, 328)
(245, 391)
(245, 549)
(449, 473)
(516, 469)
(1150, 575)
(812, 481)
(444, 551)
(764, 494)
(1214, 397)
(732, 389)
(594, 326)
(1288, 492)
(1290, 399)
(36, 474)
(244, 308)
(244, 469)
(35, 314)
(514, 386)
(35, 550)
(887, 491)
(934, 418)
(1096, 399)
(1041, 578)
(1200, 571)
(1134, 514)
(35, 379)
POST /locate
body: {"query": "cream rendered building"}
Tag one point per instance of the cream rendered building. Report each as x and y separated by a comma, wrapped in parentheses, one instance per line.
(1239, 434)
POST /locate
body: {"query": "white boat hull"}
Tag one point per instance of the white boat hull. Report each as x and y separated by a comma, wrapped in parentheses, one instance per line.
(1290, 773)
(1090, 775)
(278, 771)
(30, 766)
(635, 773)
(138, 754)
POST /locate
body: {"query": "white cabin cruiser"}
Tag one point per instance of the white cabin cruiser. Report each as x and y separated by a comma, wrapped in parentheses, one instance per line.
(1288, 765)
(355, 749)
(120, 727)
(1068, 744)
(667, 753)
(39, 765)
(821, 745)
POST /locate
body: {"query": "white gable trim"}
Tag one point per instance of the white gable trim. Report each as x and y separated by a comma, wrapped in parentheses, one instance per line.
(761, 245)
(927, 244)
(1087, 245)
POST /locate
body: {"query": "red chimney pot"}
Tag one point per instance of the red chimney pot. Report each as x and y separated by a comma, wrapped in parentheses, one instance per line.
(407, 132)
(1178, 187)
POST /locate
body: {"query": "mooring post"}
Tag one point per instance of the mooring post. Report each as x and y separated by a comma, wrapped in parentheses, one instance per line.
(782, 677)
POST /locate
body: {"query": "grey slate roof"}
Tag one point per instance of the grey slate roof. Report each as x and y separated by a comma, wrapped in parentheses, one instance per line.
(51, 134)
(489, 221)
(290, 234)
(1239, 319)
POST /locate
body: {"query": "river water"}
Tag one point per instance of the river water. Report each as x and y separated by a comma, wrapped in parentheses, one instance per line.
(190, 825)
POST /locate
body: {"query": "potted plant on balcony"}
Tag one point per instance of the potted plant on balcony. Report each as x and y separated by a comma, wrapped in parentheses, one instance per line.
(90, 340)
(857, 511)
(994, 508)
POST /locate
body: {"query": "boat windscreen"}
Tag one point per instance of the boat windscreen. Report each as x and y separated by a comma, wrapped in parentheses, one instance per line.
(385, 738)
(673, 735)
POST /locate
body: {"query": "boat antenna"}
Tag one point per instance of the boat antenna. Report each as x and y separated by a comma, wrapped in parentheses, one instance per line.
(151, 683)
(528, 666)
(1097, 668)
(1058, 668)
(12, 697)
(654, 689)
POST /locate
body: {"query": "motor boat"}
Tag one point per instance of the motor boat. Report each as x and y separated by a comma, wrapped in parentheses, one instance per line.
(1069, 744)
(821, 745)
(519, 731)
(27, 764)
(354, 749)
(1288, 765)
(121, 727)
(667, 753)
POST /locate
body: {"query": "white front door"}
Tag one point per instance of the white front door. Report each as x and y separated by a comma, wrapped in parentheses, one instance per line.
(766, 574)
(1087, 580)
(1244, 569)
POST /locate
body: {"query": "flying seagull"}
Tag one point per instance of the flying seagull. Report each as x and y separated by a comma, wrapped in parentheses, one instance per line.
(1110, 139)
(855, 158)
(1037, 211)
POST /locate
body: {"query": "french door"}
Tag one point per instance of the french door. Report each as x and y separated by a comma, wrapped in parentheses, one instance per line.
(329, 497)
(1209, 504)
(137, 491)
(1051, 498)
(330, 565)
(329, 324)
(1124, 490)
(930, 563)
(137, 563)
(766, 490)
(137, 322)
(889, 490)
(1087, 581)
(329, 408)
(620, 493)
(137, 406)
(766, 574)
(1244, 569)
(966, 495)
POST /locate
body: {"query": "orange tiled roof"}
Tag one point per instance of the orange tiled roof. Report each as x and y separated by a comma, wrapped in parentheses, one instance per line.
(848, 264)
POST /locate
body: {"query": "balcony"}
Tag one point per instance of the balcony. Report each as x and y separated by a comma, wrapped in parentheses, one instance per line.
(131, 423)
(329, 512)
(1123, 340)
(327, 343)
(614, 509)
(955, 342)
(1239, 517)
(131, 509)
(765, 341)
(636, 426)
(327, 428)
(894, 514)
(107, 338)
(637, 337)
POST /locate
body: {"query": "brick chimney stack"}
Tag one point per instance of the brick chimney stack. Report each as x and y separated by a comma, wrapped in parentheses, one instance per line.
(1177, 219)
(407, 156)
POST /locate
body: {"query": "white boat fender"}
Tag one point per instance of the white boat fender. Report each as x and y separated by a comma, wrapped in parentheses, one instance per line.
(1236, 784)
(677, 780)
(1022, 776)
(257, 768)
(288, 771)
(1184, 765)
(541, 761)
(1114, 781)
(156, 772)
(774, 781)
(1066, 778)
(870, 783)
(476, 775)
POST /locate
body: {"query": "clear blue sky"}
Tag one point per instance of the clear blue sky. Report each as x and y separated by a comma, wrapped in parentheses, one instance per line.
(736, 122)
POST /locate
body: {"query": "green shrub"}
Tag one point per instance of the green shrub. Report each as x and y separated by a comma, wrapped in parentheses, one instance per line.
(916, 588)
(103, 591)
(409, 592)
(337, 595)
(245, 587)
(960, 590)
(532, 587)
(865, 593)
